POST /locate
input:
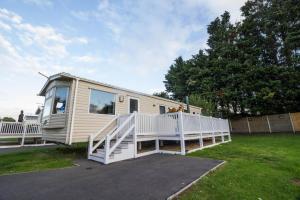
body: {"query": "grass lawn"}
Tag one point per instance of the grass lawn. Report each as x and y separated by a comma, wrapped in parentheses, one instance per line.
(41, 158)
(258, 167)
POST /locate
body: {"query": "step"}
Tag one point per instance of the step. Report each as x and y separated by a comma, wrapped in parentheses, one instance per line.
(102, 151)
(97, 158)
(101, 154)
(123, 143)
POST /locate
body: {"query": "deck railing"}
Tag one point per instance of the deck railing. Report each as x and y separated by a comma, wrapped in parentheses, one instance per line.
(170, 124)
(18, 128)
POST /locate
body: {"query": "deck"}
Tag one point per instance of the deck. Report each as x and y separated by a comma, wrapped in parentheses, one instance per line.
(139, 134)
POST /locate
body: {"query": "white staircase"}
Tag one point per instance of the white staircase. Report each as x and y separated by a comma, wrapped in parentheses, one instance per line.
(116, 143)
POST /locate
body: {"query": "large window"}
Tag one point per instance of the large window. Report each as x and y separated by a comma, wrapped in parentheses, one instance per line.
(102, 102)
(60, 100)
(48, 102)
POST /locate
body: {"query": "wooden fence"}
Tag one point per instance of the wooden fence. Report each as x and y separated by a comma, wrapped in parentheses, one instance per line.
(281, 123)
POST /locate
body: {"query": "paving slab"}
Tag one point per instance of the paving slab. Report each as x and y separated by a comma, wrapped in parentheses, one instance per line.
(151, 177)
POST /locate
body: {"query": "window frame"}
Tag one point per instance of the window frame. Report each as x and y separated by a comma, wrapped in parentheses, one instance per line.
(53, 98)
(135, 98)
(115, 98)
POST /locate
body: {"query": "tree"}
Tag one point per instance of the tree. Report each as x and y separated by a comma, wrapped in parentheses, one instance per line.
(162, 94)
(251, 67)
(208, 107)
(8, 119)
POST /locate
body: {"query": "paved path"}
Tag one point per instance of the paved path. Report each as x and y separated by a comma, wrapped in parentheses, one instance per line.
(152, 177)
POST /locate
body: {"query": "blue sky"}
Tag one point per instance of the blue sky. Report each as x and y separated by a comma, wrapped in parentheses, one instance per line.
(125, 43)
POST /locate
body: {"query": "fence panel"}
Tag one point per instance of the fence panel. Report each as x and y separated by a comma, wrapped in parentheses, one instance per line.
(296, 121)
(259, 124)
(239, 125)
(280, 123)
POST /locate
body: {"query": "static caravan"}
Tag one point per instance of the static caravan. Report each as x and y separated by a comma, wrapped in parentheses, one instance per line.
(76, 107)
(120, 124)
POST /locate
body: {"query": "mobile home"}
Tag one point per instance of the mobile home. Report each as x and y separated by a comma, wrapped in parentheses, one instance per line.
(82, 110)
(77, 107)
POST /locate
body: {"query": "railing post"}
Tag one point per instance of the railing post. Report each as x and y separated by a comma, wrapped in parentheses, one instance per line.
(213, 130)
(24, 132)
(1, 126)
(222, 128)
(107, 147)
(134, 135)
(181, 132)
(201, 138)
(91, 140)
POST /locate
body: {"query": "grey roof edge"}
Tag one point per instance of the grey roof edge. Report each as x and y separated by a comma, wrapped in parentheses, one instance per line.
(64, 74)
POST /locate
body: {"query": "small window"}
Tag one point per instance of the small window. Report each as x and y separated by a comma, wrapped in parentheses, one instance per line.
(60, 100)
(133, 105)
(102, 102)
(162, 109)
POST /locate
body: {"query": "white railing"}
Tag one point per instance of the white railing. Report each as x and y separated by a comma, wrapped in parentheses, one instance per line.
(98, 134)
(169, 124)
(146, 124)
(18, 128)
(164, 125)
(126, 128)
(117, 129)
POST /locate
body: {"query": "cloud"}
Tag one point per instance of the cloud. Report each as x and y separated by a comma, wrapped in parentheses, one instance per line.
(40, 47)
(10, 16)
(41, 3)
(149, 35)
(217, 8)
(87, 59)
(4, 26)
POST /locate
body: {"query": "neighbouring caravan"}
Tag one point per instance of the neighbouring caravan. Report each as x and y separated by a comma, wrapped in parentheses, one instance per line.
(77, 107)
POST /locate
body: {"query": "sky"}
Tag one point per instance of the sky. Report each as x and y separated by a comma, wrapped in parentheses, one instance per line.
(126, 43)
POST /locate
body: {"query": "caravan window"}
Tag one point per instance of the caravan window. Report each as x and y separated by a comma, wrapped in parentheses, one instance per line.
(48, 102)
(47, 107)
(162, 109)
(60, 100)
(102, 102)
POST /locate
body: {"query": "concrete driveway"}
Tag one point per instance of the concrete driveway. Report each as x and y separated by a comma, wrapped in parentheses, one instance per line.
(152, 177)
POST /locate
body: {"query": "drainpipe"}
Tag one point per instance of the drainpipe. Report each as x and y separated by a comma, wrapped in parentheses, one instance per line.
(73, 112)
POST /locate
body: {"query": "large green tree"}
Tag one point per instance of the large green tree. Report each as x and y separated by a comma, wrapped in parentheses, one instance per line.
(251, 67)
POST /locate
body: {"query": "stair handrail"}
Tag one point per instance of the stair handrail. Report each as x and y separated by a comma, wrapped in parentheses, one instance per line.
(110, 136)
(122, 125)
(94, 135)
(102, 140)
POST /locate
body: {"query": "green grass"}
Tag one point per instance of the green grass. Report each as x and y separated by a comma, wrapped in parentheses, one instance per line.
(41, 159)
(257, 167)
